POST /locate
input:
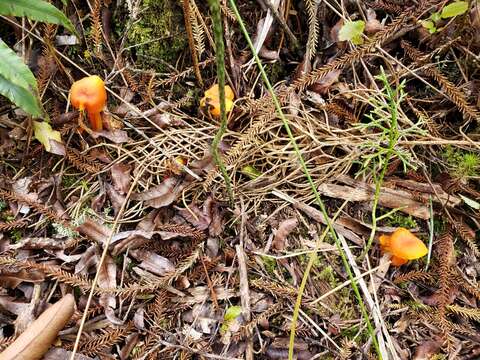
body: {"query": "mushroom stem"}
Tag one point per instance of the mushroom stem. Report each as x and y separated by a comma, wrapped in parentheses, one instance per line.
(95, 121)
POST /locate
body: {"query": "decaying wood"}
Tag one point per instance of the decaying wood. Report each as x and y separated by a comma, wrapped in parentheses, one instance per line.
(355, 190)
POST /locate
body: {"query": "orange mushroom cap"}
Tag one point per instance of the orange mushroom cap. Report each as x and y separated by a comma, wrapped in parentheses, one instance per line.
(212, 100)
(403, 246)
(89, 94)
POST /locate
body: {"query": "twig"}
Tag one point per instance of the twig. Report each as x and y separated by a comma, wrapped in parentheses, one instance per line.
(210, 285)
(244, 296)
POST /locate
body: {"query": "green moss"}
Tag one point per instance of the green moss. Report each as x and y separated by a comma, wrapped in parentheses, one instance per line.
(398, 219)
(15, 235)
(276, 71)
(463, 164)
(158, 36)
(68, 181)
(328, 275)
(269, 263)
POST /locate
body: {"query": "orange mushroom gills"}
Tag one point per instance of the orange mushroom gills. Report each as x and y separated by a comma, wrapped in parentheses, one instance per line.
(89, 94)
(403, 246)
(211, 100)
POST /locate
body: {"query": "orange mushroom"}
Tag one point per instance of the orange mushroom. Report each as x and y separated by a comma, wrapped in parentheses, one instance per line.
(403, 246)
(89, 94)
(212, 100)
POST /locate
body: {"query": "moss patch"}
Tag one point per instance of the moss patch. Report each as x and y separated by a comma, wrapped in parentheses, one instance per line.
(158, 36)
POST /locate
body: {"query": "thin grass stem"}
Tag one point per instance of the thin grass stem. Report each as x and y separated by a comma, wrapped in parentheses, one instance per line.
(220, 59)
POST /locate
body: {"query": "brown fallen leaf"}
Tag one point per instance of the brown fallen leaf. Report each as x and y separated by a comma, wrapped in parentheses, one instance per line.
(116, 136)
(322, 86)
(39, 243)
(7, 303)
(10, 277)
(152, 262)
(94, 231)
(163, 194)
(62, 354)
(107, 279)
(195, 216)
(121, 177)
(89, 258)
(279, 350)
(37, 339)
(373, 25)
(130, 343)
(284, 229)
(116, 198)
(427, 349)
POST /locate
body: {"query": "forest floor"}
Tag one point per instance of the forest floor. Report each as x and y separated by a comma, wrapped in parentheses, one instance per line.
(380, 104)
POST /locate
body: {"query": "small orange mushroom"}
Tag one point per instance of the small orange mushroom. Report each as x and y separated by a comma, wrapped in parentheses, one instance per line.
(403, 246)
(212, 100)
(89, 94)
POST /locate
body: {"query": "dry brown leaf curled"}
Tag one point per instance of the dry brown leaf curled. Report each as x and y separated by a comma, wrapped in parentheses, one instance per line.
(284, 229)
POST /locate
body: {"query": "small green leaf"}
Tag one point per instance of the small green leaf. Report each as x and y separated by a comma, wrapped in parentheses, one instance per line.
(21, 97)
(454, 9)
(472, 203)
(251, 172)
(36, 10)
(429, 25)
(232, 313)
(435, 17)
(43, 132)
(352, 31)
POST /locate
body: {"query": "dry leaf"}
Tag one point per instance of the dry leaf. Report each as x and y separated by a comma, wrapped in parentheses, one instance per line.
(7, 303)
(278, 350)
(121, 177)
(89, 258)
(107, 279)
(326, 82)
(10, 278)
(39, 243)
(162, 195)
(427, 349)
(94, 231)
(373, 25)
(116, 136)
(62, 354)
(195, 216)
(212, 210)
(130, 343)
(284, 229)
(152, 262)
(37, 339)
(116, 198)
(44, 133)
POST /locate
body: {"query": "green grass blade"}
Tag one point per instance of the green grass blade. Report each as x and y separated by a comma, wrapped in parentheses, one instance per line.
(220, 59)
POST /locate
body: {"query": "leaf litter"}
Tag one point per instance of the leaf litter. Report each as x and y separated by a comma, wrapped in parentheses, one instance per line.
(172, 281)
